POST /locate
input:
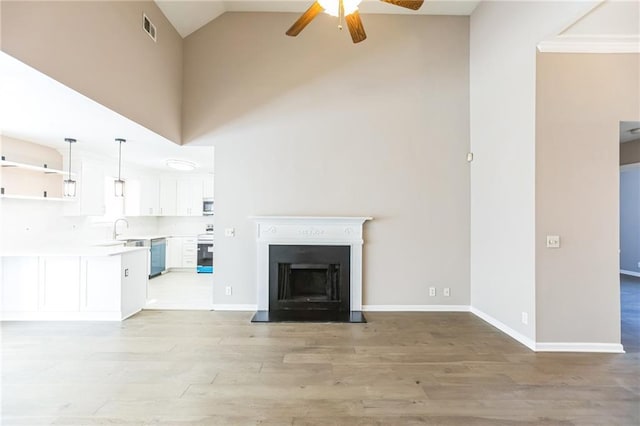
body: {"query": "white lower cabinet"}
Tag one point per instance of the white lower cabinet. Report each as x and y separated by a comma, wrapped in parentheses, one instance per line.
(20, 284)
(101, 288)
(182, 252)
(98, 292)
(59, 284)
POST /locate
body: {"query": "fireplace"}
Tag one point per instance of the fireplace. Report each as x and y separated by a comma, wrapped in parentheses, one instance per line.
(309, 269)
(307, 278)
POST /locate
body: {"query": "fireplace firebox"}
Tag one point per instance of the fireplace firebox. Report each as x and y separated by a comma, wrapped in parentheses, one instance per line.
(309, 278)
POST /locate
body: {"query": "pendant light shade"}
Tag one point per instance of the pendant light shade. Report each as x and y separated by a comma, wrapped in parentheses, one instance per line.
(69, 188)
(119, 183)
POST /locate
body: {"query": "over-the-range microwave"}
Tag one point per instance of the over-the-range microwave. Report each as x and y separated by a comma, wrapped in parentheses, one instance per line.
(207, 206)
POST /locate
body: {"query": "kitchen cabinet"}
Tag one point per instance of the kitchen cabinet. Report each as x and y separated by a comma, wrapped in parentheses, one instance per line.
(20, 284)
(207, 186)
(98, 276)
(189, 197)
(59, 284)
(168, 193)
(100, 288)
(149, 196)
(182, 252)
(142, 196)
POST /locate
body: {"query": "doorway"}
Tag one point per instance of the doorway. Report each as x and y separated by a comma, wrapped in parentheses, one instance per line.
(630, 234)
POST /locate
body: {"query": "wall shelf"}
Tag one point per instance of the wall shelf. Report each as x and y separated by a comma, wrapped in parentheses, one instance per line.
(5, 163)
(29, 197)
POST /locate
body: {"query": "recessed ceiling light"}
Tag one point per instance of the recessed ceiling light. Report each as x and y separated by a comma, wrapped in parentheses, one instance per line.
(182, 165)
(635, 131)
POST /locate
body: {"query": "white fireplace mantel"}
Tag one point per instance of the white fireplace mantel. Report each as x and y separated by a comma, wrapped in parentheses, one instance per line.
(308, 230)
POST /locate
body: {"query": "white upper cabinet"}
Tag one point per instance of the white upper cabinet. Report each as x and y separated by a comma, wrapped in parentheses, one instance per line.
(189, 196)
(207, 186)
(150, 196)
(168, 193)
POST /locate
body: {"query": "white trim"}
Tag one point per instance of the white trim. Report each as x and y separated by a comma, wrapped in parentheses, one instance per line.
(63, 316)
(633, 274)
(615, 348)
(505, 328)
(235, 307)
(415, 308)
(591, 44)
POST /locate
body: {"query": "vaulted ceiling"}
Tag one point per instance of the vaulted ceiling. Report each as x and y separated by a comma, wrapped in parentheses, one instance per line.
(188, 16)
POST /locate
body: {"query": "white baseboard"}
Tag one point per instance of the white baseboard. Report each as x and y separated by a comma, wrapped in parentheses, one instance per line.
(505, 328)
(62, 316)
(633, 274)
(415, 308)
(235, 307)
(615, 348)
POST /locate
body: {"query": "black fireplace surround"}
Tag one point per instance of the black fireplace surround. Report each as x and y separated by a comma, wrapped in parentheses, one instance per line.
(309, 283)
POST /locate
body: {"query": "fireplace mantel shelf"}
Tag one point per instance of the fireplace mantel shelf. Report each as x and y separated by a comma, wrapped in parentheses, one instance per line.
(356, 219)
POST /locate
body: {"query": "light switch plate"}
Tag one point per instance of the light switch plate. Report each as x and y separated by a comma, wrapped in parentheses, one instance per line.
(553, 241)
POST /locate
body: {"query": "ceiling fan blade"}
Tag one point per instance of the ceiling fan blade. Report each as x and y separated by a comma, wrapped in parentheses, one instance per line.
(409, 4)
(355, 27)
(304, 20)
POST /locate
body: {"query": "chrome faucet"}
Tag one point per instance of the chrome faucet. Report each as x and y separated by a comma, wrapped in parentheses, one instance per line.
(115, 225)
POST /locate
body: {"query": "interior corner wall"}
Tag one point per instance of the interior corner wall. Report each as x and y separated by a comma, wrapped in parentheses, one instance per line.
(581, 99)
(99, 49)
(318, 126)
(503, 39)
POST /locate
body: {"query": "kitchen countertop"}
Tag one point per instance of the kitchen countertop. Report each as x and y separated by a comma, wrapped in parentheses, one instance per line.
(141, 237)
(69, 251)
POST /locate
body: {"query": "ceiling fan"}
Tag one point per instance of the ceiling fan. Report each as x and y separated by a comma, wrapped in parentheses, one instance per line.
(346, 10)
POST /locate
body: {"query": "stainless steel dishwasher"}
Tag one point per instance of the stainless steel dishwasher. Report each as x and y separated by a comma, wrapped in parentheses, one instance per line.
(158, 256)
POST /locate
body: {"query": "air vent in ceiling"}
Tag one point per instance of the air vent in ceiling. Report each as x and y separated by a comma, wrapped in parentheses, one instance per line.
(148, 27)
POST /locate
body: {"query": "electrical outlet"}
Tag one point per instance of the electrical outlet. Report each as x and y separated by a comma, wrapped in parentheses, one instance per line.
(525, 318)
(229, 232)
(227, 290)
(447, 292)
(432, 291)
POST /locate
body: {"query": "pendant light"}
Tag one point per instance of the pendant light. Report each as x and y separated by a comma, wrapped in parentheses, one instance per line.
(69, 184)
(119, 183)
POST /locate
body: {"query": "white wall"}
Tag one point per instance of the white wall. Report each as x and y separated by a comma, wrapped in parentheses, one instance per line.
(502, 106)
(581, 99)
(315, 125)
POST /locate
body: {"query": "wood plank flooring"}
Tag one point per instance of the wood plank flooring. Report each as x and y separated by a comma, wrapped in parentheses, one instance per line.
(216, 368)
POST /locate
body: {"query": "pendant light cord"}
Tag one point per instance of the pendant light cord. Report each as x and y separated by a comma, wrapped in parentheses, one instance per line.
(69, 177)
(119, 158)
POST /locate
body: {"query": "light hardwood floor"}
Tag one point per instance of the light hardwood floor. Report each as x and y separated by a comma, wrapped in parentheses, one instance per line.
(211, 368)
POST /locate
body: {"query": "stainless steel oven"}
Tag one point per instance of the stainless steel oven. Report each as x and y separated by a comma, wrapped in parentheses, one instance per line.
(205, 254)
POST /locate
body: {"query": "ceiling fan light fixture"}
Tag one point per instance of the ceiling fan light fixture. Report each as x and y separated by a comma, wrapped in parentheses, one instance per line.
(332, 7)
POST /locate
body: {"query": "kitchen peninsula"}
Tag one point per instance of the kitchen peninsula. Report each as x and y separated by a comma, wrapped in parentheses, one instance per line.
(73, 283)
